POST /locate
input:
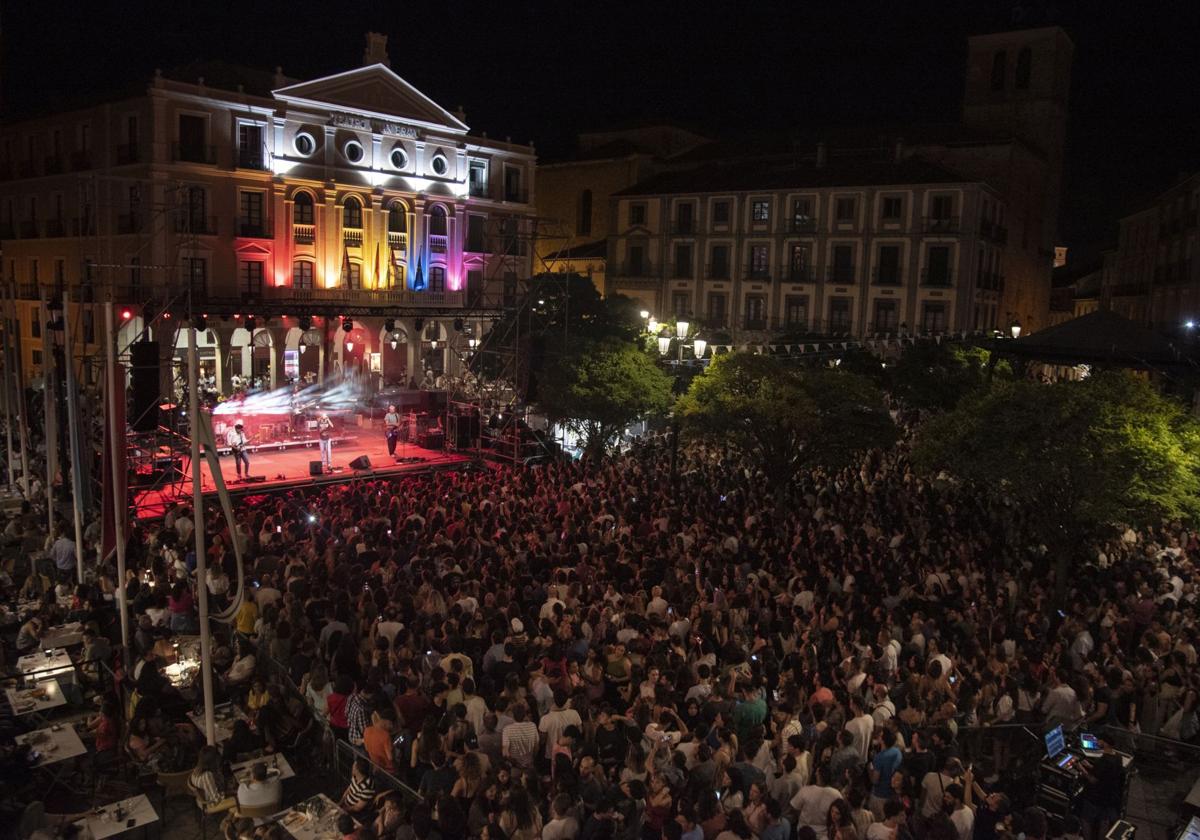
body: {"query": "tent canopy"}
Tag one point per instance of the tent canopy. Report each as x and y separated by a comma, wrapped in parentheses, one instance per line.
(1098, 338)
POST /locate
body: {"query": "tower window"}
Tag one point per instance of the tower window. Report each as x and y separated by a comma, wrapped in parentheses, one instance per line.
(1024, 66)
(999, 62)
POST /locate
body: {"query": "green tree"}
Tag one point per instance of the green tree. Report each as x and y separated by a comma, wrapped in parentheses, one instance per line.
(1080, 458)
(598, 388)
(936, 376)
(784, 417)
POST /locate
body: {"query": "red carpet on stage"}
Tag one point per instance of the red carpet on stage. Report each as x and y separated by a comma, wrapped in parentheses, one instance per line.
(281, 469)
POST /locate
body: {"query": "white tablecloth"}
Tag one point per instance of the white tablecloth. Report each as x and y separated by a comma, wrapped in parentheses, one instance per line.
(103, 824)
(63, 635)
(226, 715)
(57, 744)
(24, 702)
(40, 666)
(303, 827)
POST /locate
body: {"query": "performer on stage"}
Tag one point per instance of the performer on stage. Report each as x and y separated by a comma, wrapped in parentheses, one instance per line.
(325, 431)
(236, 440)
(391, 423)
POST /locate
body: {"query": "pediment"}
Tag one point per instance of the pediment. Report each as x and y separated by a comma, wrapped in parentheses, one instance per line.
(375, 91)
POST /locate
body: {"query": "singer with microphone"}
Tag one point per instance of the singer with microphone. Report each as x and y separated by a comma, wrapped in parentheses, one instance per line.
(236, 440)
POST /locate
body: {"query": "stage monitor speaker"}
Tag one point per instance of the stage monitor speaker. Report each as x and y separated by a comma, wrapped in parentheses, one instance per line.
(362, 462)
(143, 376)
(316, 468)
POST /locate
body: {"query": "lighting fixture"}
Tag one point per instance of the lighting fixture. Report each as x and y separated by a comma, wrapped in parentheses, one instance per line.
(664, 344)
(350, 346)
(681, 328)
(1015, 329)
(645, 313)
(652, 326)
(394, 343)
(699, 346)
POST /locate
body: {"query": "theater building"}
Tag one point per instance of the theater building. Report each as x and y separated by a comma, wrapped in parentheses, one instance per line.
(340, 225)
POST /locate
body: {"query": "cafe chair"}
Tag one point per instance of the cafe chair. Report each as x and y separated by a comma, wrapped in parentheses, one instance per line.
(207, 810)
(172, 785)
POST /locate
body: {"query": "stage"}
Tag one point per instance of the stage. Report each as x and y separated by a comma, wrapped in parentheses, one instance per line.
(286, 466)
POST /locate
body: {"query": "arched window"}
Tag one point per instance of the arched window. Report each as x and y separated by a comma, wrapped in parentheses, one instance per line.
(397, 219)
(302, 209)
(1024, 68)
(584, 223)
(302, 274)
(352, 213)
(437, 220)
(437, 279)
(999, 61)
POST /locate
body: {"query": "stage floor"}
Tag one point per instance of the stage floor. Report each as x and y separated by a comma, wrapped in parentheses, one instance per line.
(288, 468)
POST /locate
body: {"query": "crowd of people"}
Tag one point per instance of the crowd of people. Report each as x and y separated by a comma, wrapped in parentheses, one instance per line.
(596, 650)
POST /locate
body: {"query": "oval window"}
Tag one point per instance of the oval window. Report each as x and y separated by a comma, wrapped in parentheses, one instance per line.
(399, 158)
(353, 151)
(440, 166)
(304, 144)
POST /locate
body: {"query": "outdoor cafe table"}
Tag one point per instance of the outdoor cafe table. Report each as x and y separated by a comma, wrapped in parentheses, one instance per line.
(40, 666)
(41, 697)
(63, 635)
(114, 818)
(276, 762)
(224, 716)
(56, 744)
(303, 825)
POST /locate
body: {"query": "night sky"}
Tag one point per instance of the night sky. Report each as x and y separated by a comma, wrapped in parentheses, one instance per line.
(542, 71)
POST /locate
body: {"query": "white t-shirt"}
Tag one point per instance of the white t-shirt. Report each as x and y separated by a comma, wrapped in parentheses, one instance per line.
(964, 821)
(811, 804)
(861, 728)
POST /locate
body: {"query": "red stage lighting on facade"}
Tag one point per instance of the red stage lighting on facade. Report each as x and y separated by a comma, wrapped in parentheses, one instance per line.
(126, 314)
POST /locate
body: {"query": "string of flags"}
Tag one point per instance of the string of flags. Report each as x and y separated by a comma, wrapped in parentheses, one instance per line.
(882, 342)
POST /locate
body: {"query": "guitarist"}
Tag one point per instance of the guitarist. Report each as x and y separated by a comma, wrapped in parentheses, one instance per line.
(236, 440)
(391, 422)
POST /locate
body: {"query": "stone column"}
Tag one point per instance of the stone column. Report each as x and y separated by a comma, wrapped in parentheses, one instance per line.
(223, 333)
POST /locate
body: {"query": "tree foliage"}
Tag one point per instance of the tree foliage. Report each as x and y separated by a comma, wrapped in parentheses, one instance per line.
(783, 417)
(936, 377)
(599, 387)
(1080, 457)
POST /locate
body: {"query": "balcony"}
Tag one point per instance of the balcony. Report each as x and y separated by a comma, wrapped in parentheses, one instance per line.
(477, 189)
(399, 241)
(516, 196)
(716, 321)
(803, 225)
(682, 271)
(29, 230)
(193, 153)
(304, 234)
(56, 228)
(760, 273)
(939, 279)
(682, 227)
(644, 268)
(26, 169)
(81, 160)
(127, 153)
(352, 237)
(841, 276)
(886, 278)
(716, 271)
(994, 231)
(196, 224)
(363, 297)
(129, 223)
(52, 165)
(941, 224)
(437, 243)
(252, 159)
(758, 324)
(798, 274)
(259, 229)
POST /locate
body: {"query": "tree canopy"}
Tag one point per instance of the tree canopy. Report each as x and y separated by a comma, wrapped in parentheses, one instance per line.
(1079, 457)
(785, 417)
(936, 376)
(599, 387)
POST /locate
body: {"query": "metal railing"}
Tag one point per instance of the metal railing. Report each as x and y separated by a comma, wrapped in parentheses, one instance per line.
(30, 230)
(940, 279)
(887, 278)
(644, 268)
(251, 159)
(380, 297)
(344, 754)
(804, 225)
(256, 230)
(717, 271)
(842, 276)
(200, 225)
(682, 227)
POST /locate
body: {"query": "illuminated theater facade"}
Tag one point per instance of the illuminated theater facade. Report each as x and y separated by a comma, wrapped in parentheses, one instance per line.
(346, 225)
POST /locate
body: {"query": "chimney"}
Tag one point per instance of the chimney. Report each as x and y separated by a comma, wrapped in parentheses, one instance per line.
(821, 155)
(899, 149)
(376, 51)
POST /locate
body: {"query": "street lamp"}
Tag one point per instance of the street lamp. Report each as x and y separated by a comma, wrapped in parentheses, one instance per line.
(681, 329)
(699, 346)
(1015, 329)
(664, 344)
(645, 313)
(652, 326)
